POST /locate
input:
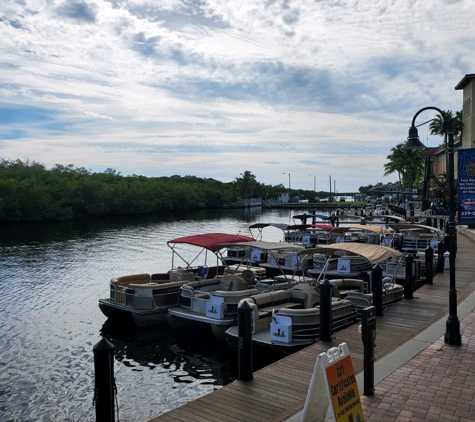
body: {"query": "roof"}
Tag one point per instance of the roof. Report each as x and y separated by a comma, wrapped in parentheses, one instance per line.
(465, 80)
(211, 240)
(373, 253)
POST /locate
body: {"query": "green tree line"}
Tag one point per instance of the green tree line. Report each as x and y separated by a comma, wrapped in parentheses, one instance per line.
(30, 192)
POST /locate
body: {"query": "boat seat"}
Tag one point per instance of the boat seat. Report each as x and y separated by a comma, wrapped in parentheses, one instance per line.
(271, 298)
(232, 285)
(236, 294)
(249, 277)
(143, 286)
(361, 300)
(125, 280)
(287, 305)
(306, 294)
(349, 284)
(290, 278)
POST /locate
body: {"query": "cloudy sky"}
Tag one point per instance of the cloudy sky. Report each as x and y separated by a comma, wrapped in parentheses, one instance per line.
(211, 88)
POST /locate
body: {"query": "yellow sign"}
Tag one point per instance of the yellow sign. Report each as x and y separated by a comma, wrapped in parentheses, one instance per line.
(343, 390)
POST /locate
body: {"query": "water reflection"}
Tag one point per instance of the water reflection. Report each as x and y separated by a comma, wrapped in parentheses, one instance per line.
(52, 275)
(192, 352)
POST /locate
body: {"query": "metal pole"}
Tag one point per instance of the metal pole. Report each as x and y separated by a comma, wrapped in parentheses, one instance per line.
(452, 332)
(425, 185)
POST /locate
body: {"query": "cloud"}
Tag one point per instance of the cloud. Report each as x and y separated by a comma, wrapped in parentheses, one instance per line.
(214, 88)
(81, 12)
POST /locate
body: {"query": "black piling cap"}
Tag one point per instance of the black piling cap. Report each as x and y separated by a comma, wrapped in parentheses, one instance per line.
(103, 345)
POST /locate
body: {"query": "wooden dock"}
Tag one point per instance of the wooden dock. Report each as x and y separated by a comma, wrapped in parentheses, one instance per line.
(279, 390)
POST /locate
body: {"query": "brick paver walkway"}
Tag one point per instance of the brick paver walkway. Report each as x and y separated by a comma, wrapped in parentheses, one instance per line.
(436, 385)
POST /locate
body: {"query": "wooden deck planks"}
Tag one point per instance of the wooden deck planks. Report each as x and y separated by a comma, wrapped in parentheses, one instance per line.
(280, 389)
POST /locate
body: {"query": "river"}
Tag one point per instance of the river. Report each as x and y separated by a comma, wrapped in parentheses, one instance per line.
(51, 278)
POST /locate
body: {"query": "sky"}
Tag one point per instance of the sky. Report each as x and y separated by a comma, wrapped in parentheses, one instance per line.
(300, 93)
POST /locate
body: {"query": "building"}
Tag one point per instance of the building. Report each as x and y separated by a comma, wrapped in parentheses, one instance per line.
(436, 158)
(467, 84)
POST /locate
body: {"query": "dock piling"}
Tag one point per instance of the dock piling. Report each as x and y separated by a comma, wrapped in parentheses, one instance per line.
(429, 256)
(104, 385)
(245, 341)
(377, 278)
(368, 336)
(409, 283)
(325, 310)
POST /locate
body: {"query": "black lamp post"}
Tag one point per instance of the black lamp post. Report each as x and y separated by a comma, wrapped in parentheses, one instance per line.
(452, 330)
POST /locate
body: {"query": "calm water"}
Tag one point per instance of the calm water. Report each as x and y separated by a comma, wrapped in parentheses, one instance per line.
(51, 277)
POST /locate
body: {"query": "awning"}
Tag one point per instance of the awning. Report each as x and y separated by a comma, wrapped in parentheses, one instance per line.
(210, 241)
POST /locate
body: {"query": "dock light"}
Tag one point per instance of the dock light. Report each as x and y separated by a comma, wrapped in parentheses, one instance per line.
(452, 331)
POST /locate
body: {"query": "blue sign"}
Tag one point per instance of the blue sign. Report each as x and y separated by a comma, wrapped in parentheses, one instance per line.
(466, 186)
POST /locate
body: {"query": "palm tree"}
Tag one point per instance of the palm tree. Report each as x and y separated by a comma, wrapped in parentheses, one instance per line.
(245, 185)
(396, 162)
(437, 127)
(408, 164)
(458, 123)
(414, 169)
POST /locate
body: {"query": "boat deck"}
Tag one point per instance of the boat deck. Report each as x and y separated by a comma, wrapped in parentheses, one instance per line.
(279, 390)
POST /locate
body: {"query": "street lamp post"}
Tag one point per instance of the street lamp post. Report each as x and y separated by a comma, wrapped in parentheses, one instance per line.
(314, 183)
(452, 330)
(289, 181)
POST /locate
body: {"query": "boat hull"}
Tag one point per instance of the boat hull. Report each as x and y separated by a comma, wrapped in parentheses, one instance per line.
(142, 318)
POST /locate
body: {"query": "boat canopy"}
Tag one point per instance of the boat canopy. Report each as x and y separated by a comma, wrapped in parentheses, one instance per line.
(286, 227)
(395, 218)
(263, 245)
(430, 217)
(281, 226)
(304, 216)
(211, 241)
(347, 217)
(302, 227)
(373, 253)
(421, 228)
(375, 229)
